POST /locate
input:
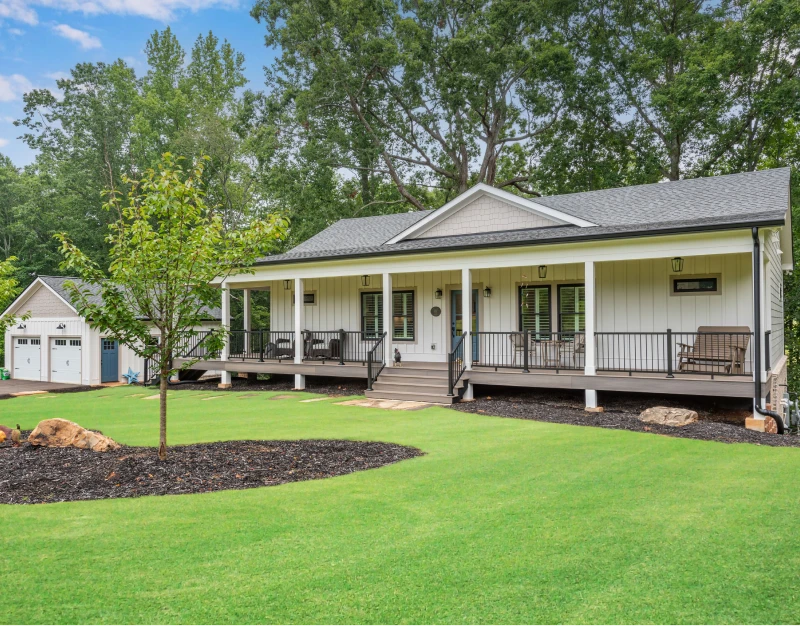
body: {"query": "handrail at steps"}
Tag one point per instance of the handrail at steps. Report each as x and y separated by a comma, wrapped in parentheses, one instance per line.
(455, 364)
(372, 375)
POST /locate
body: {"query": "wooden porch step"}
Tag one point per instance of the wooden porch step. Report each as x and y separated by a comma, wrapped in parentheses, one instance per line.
(414, 372)
(412, 396)
(428, 388)
(423, 365)
(414, 380)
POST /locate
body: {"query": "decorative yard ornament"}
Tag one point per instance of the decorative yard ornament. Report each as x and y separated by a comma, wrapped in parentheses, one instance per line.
(132, 377)
(398, 358)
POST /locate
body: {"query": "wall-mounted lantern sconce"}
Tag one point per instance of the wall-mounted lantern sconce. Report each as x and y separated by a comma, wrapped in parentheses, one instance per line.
(542, 271)
(487, 292)
(677, 265)
(365, 280)
(61, 326)
(437, 294)
(287, 284)
(21, 327)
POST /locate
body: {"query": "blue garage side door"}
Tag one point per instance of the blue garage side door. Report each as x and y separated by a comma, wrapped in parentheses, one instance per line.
(109, 361)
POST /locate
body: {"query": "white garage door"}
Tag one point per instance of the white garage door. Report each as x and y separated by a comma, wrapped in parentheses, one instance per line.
(27, 358)
(65, 360)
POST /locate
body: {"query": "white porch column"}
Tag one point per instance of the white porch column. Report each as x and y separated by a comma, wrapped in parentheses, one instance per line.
(299, 323)
(246, 319)
(246, 309)
(225, 378)
(386, 284)
(466, 325)
(466, 314)
(589, 352)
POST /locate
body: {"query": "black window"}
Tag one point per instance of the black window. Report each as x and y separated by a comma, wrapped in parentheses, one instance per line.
(403, 315)
(572, 308)
(695, 285)
(534, 313)
(371, 314)
(403, 321)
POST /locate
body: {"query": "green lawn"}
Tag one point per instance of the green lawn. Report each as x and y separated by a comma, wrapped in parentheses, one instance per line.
(502, 521)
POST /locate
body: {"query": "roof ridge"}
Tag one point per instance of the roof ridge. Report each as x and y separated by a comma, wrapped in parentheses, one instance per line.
(665, 182)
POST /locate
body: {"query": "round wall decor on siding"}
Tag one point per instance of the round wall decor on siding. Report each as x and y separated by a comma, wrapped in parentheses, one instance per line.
(436, 311)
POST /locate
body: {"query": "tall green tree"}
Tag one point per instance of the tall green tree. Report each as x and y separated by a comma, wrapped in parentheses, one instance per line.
(439, 91)
(702, 85)
(167, 246)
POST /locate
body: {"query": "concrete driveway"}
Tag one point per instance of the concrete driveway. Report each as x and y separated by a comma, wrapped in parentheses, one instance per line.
(14, 387)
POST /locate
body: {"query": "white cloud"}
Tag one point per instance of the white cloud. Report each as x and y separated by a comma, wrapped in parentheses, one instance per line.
(163, 10)
(12, 87)
(18, 10)
(3, 142)
(84, 39)
(56, 75)
(16, 31)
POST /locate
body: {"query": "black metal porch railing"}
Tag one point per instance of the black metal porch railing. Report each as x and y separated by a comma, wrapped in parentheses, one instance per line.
(455, 364)
(527, 350)
(336, 346)
(261, 345)
(670, 353)
(376, 361)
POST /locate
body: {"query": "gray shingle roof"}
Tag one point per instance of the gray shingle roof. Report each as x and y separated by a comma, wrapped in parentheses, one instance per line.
(57, 284)
(715, 196)
(359, 232)
(703, 204)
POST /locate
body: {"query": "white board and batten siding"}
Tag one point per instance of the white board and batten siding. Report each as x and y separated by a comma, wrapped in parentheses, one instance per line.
(631, 296)
(773, 296)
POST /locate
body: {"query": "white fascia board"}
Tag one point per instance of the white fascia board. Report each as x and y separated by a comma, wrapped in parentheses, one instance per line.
(480, 190)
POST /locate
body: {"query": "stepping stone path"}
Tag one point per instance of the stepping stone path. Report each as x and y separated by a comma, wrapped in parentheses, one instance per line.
(394, 405)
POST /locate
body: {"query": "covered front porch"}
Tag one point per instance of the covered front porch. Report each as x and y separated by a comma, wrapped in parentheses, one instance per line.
(670, 324)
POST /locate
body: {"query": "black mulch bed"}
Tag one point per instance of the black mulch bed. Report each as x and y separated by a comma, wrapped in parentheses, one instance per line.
(330, 386)
(720, 420)
(30, 475)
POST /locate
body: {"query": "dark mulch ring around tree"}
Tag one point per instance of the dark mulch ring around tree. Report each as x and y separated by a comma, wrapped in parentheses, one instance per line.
(327, 385)
(30, 475)
(721, 419)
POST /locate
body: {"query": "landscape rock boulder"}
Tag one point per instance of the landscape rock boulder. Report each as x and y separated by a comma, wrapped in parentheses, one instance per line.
(60, 433)
(668, 416)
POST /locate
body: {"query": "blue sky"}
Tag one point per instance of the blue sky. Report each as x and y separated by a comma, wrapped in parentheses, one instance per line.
(40, 40)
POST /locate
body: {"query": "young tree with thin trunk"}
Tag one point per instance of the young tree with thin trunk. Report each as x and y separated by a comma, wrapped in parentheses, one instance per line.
(166, 247)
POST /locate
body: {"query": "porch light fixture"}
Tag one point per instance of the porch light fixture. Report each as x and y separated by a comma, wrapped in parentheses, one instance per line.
(677, 265)
(61, 326)
(21, 327)
(287, 284)
(487, 292)
(365, 280)
(542, 271)
(437, 294)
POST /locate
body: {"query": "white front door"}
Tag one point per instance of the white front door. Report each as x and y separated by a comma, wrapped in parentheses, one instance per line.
(27, 358)
(65, 360)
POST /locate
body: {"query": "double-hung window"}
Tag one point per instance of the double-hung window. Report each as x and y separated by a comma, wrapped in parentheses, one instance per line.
(534, 314)
(403, 318)
(572, 308)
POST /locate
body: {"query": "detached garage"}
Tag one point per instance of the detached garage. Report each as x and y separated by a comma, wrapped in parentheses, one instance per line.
(56, 344)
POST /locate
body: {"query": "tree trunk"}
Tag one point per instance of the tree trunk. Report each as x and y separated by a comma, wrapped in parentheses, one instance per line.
(162, 401)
